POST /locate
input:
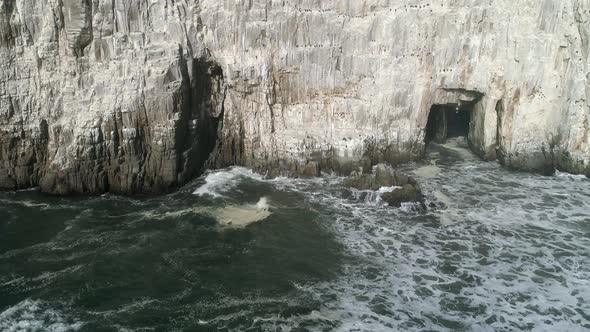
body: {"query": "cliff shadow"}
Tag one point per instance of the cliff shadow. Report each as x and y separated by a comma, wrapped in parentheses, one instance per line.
(198, 127)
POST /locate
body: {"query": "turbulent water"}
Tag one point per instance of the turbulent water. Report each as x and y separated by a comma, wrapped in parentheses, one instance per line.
(494, 250)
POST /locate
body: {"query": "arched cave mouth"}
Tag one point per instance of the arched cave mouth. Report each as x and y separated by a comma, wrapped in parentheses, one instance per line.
(448, 121)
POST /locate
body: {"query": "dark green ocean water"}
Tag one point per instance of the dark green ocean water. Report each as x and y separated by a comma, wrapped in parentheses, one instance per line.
(495, 251)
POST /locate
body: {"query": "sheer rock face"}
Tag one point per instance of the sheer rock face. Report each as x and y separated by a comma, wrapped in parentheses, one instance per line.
(102, 96)
(132, 95)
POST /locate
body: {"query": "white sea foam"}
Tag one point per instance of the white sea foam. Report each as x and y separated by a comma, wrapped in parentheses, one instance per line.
(262, 204)
(428, 171)
(371, 197)
(28, 189)
(383, 190)
(239, 216)
(26, 203)
(217, 183)
(576, 177)
(442, 197)
(36, 315)
(507, 252)
(155, 214)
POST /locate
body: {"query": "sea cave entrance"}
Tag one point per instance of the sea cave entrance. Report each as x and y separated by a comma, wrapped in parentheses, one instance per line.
(447, 121)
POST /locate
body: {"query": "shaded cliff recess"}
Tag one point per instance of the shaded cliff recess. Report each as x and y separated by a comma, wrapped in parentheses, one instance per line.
(447, 121)
(127, 150)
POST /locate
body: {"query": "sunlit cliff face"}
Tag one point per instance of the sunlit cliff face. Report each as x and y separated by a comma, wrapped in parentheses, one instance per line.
(125, 97)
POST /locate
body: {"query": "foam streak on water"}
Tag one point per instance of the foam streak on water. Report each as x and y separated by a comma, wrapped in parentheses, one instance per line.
(35, 316)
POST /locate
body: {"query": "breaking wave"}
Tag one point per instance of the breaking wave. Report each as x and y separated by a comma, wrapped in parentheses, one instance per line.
(218, 183)
(35, 315)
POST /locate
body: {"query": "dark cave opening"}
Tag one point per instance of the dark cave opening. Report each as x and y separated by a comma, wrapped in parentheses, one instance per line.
(447, 121)
(458, 123)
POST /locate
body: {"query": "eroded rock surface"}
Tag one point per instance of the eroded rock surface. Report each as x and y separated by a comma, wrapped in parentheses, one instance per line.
(399, 188)
(132, 95)
(102, 96)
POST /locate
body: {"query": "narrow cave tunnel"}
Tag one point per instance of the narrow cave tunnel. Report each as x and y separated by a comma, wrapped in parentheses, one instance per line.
(447, 121)
(458, 123)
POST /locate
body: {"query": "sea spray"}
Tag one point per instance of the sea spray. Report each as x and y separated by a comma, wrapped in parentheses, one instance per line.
(218, 183)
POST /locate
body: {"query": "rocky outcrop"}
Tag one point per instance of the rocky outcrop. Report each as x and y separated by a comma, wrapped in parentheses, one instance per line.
(132, 95)
(399, 188)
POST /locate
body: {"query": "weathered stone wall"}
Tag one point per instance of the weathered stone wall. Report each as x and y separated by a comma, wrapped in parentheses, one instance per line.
(127, 95)
(102, 96)
(337, 81)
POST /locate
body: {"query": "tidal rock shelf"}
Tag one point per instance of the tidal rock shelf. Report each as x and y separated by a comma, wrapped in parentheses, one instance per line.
(131, 96)
(393, 186)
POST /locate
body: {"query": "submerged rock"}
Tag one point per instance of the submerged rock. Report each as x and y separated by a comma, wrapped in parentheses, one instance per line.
(403, 188)
(407, 193)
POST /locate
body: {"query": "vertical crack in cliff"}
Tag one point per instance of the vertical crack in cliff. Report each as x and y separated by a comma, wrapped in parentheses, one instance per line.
(500, 151)
(197, 136)
(6, 37)
(78, 24)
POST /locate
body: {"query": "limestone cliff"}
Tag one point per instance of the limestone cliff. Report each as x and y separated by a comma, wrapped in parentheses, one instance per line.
(134, 95)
